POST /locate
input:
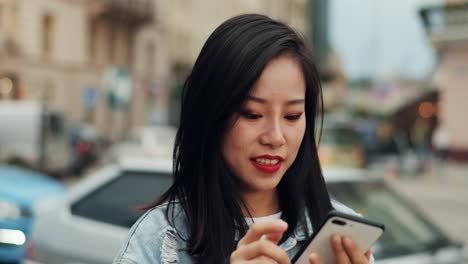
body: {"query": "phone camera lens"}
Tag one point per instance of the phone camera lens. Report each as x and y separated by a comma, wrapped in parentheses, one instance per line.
(338, 222)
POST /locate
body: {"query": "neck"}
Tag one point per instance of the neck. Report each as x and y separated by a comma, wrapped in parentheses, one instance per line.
(261, 203)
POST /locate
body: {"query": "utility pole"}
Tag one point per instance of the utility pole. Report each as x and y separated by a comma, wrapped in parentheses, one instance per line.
(319, 31)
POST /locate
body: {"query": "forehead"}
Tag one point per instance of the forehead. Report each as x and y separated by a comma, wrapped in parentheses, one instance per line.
(282, 76)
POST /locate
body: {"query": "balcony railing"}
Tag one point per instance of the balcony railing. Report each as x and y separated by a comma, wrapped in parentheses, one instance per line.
(446, 23)
(125, 11)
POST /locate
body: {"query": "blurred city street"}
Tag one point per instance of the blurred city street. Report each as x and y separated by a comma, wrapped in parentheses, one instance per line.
(91, 94)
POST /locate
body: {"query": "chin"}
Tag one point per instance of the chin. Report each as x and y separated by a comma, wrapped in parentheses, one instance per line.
(267, 186)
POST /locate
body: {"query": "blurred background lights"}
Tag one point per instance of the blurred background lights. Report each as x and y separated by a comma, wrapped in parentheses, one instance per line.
(6, 86)
(426, 109)
(15, 237)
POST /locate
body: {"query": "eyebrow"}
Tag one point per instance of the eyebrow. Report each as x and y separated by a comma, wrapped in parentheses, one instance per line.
(263, 101)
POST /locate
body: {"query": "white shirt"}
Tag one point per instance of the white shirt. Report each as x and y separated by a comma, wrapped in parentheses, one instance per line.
(272, 217)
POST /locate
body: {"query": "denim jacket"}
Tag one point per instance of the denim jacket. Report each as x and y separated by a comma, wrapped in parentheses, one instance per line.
(152, 240)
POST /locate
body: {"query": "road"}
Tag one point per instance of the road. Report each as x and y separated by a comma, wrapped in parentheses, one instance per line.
(441, 194)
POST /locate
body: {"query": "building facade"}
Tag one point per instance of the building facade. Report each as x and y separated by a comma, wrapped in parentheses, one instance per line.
(69, 53)
(447, 28)
(189, 22)
(60, 51)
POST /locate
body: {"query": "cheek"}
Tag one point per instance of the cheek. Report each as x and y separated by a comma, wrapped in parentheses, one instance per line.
(227, 147)
(240, 135)
(297, 134)
(233, 143)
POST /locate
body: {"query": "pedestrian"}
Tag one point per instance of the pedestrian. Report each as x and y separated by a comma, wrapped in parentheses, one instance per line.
(248, 186)
(420, 140)
(441, 144)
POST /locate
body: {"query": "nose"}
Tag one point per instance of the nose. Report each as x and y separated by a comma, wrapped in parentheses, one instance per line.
(273, 134)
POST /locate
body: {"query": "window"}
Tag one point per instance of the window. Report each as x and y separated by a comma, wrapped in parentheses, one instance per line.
(150, 57)
(1, 16)
(111, 43)
(48, 34)
(92, 44)
(8, 28)
(115, 203)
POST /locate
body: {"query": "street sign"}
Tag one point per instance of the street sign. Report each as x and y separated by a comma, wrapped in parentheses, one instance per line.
(118, 84)
(90, 97)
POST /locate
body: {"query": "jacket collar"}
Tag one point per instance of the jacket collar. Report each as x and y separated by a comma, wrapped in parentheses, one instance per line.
(303, 230)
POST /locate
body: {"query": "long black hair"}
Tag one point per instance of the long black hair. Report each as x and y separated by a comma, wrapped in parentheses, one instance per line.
(230, 62)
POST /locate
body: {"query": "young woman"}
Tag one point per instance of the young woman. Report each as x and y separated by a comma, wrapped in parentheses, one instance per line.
(248, 187)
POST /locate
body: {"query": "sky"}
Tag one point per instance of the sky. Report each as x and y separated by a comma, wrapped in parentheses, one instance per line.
(381, 38)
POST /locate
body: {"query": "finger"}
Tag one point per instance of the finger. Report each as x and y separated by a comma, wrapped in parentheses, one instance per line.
(262, 248)
(368, 254)
(340, 253)
(314, 259)
(274, 237)
(353, 251)
(261, 261)
(264, 259)
(256, 231)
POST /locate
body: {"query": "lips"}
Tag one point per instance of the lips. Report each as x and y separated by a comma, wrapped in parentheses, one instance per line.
(267, 163)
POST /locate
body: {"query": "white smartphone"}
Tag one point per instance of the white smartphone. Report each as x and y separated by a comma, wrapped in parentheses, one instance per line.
(362, 231)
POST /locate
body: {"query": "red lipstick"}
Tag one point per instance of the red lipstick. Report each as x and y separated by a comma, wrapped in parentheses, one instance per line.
(267, 168)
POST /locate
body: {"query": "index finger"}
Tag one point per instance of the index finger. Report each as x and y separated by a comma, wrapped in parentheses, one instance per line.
(257, 230)
(353, 251)
(368, 254)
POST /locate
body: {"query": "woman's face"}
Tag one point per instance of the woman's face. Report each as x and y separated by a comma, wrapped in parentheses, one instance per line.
(264, 138)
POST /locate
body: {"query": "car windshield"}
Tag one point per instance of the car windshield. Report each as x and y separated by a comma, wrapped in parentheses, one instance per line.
(340, 136)
(116, 202)
(406, 231)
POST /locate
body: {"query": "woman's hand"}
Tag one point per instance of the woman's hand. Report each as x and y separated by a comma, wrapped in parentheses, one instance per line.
(259, 245)
(346, 252)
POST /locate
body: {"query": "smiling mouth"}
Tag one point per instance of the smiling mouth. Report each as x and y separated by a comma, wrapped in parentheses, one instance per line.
(267, 165)
(264, 161)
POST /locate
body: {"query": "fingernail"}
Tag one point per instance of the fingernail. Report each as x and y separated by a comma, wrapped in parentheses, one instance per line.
(313, 257)
(336, 239)
(282, 223)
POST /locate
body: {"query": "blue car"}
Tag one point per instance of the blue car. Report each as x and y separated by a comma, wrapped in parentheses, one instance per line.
(20, 189)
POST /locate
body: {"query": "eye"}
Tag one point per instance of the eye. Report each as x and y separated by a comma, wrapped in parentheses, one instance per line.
(293, 117)
(250, 115)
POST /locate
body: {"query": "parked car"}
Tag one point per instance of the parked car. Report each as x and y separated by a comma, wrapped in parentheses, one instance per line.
(92, 223)
(84, 147)
(146, 141)
(20, 189)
